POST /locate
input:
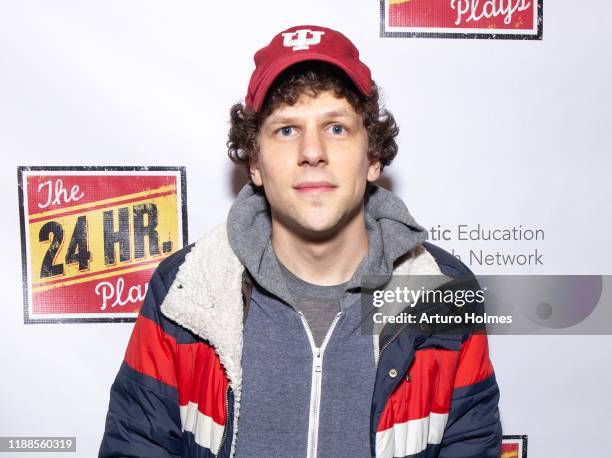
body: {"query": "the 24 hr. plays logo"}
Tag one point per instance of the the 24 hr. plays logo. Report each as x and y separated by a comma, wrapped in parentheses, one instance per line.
(501, 19)
(92, 236)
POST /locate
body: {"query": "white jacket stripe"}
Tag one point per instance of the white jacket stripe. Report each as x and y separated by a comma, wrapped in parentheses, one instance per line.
(206, 431)
(411, 437)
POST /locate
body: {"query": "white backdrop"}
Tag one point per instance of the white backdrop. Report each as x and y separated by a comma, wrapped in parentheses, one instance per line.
(497, 132)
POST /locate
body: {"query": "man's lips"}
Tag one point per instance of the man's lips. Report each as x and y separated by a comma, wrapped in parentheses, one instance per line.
(311, 186)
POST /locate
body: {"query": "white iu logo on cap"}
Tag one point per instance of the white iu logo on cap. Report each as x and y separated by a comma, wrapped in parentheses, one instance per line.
(302, 39)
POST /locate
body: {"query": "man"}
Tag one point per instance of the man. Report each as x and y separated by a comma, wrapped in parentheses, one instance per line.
(250, 343)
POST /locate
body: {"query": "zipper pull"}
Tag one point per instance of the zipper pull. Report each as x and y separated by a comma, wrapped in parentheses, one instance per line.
(317, 363)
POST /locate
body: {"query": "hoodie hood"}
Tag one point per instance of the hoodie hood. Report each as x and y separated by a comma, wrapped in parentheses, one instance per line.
(392, 232)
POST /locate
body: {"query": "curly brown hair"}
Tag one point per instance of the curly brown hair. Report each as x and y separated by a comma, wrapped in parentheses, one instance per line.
(312, 78)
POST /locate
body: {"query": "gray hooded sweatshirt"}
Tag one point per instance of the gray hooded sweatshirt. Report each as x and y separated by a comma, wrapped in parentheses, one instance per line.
(300, 399)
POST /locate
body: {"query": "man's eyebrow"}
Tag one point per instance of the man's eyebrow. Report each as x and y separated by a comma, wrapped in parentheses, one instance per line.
(279, 119)
(338, 112)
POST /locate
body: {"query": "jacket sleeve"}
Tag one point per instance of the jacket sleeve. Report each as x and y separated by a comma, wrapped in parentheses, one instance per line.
(473, 428)
(143, 416)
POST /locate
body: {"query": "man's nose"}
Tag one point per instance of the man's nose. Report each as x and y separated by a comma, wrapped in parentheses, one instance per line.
(312, 148)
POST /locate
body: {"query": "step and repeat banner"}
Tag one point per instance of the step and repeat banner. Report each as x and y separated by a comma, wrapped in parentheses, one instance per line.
(110, 109)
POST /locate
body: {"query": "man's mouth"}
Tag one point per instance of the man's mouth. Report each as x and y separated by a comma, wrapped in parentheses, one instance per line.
(315, 186)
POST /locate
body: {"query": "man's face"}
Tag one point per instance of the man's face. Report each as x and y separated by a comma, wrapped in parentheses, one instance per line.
(313, 164)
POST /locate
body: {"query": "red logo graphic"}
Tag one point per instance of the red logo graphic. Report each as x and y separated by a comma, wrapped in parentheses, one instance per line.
(92, 236)
(518, 19)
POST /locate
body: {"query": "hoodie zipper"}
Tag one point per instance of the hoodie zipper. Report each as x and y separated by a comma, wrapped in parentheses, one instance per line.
(316, 378)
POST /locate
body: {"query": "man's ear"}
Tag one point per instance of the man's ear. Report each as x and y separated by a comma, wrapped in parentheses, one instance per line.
(254, 171)
(374, 171)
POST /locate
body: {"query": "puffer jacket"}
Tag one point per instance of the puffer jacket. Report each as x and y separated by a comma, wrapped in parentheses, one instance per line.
(178, 389)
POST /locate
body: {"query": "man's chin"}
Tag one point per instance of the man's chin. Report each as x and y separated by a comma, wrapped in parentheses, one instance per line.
(319, 230)
(316, 225)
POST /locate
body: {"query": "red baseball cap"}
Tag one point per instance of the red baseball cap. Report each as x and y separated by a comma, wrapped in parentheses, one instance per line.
(301, 43)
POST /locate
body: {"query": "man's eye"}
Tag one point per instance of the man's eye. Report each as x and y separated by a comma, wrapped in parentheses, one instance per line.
(286, 131)
(338, 129)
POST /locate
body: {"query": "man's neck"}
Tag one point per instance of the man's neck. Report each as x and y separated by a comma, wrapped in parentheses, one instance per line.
(329, 261)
